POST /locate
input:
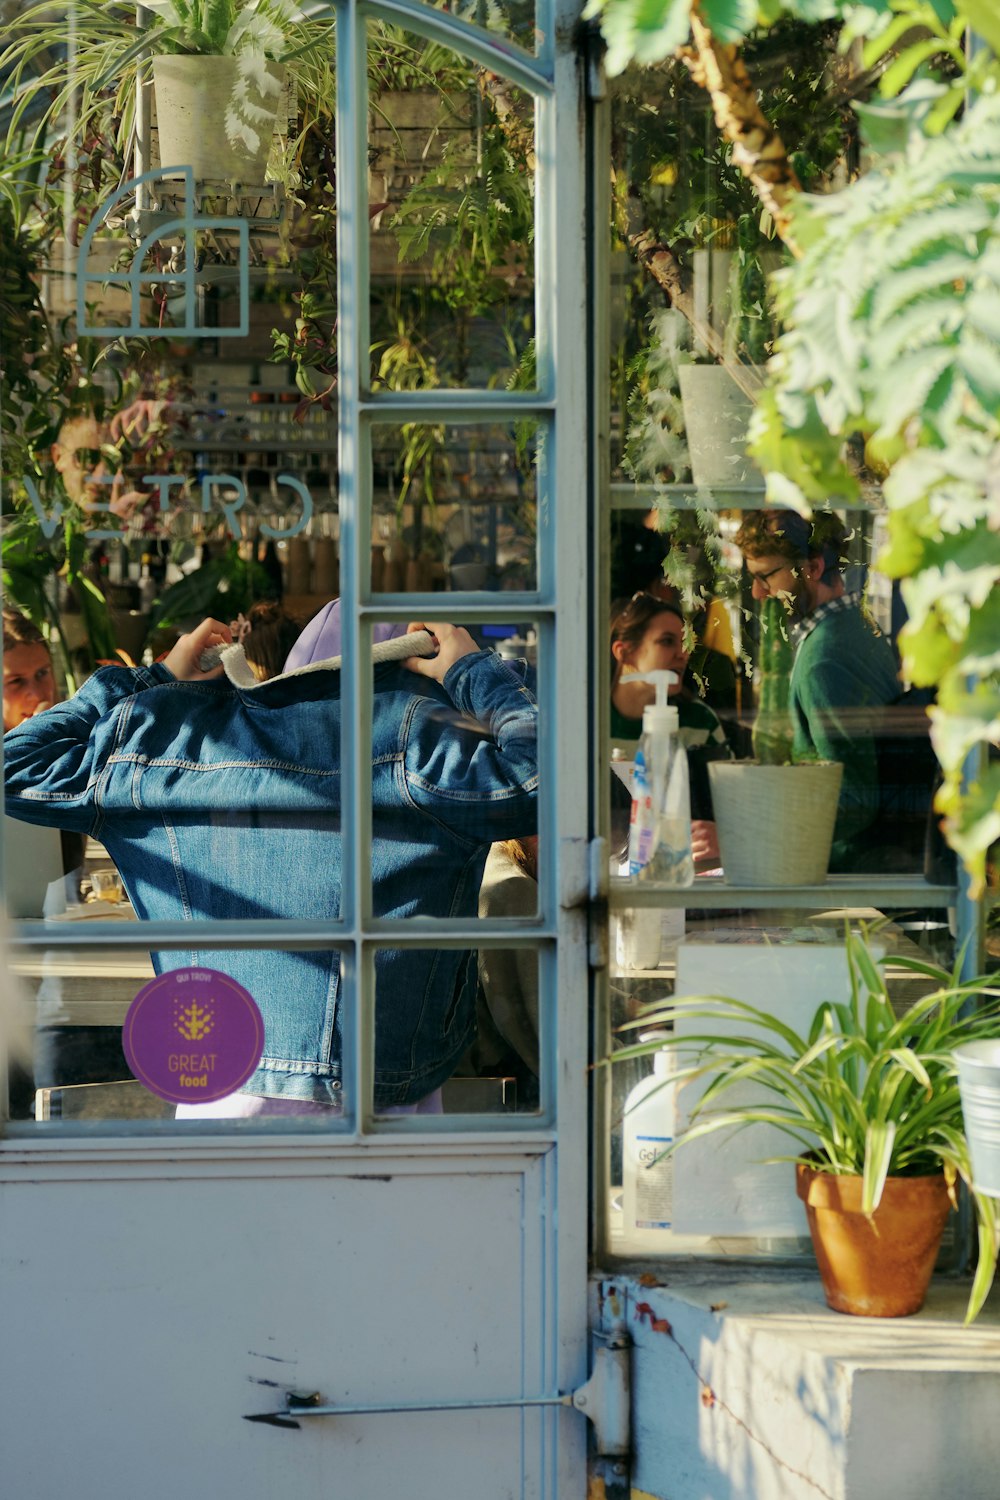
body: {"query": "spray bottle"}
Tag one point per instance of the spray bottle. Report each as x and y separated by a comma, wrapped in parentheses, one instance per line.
(660, 830)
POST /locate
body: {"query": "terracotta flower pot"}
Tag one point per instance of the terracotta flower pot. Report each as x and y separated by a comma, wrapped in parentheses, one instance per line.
(878, 1267)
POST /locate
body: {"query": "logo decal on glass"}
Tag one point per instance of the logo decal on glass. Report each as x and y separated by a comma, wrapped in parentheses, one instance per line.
(193, 1036)
(179, 275)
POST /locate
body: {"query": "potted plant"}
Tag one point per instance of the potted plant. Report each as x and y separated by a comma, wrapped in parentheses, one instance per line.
(236, 54)
(795, 802)
(869, 1099)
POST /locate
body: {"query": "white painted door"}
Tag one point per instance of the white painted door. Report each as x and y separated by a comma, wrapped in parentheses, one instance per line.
(167, 1289)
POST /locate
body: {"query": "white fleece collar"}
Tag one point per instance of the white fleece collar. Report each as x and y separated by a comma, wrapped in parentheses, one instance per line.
(238, 670)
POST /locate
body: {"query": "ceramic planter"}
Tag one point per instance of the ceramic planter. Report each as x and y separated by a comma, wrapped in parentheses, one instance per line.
(775, 823)
(192, 97)
(877, 1267)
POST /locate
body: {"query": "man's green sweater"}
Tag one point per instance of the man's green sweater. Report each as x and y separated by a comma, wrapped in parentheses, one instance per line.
(843, 675)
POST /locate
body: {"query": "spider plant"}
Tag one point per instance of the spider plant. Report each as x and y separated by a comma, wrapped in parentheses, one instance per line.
(869, 1091)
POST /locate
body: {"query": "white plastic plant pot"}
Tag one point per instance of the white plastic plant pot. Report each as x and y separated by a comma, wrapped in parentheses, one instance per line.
(193, 97)
(978, 1066)
(716, 416)
(775, 823)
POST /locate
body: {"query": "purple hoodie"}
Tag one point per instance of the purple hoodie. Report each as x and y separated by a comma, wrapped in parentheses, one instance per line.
(321, 637)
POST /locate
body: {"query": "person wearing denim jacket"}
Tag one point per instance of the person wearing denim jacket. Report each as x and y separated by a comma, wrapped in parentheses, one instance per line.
(223, 801)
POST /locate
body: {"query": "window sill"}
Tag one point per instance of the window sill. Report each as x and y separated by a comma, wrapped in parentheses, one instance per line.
(745, 1382)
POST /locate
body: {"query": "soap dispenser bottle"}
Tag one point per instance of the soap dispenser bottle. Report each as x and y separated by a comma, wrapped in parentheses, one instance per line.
(660, 830)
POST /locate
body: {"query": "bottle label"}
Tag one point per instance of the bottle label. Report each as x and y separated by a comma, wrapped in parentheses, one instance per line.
(654, 1182)
(643, 819)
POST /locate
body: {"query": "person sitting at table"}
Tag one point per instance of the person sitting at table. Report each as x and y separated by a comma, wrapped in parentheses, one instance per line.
(29, 684)
(648, 635)
(845, 694)
(639, 556)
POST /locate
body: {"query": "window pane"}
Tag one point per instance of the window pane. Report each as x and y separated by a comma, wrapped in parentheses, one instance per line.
(487, 1006)
(451, 205)
(717, 1196)
(170, 456)
(515, 21)
(455, 507)
(188, 1047)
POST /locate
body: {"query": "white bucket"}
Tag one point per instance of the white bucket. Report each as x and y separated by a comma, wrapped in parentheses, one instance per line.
(979, 1085)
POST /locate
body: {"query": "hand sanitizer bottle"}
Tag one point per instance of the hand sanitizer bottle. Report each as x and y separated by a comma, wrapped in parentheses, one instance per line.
(660, 835)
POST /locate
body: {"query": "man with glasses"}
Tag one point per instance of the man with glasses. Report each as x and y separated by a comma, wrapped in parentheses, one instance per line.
(88, 455)
(844, 672)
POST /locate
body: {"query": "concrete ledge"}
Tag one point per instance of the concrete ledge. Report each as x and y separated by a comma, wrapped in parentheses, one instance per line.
(747, 1387)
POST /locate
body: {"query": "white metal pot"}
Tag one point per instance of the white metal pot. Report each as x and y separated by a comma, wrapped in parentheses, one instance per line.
(193, 96)
(978, 1066)
(775, 823)
(716, 414)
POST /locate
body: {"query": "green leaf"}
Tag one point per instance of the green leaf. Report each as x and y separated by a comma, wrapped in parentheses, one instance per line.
(947, 107)
(982, 310)
(899, 73)
(983, 18)
(730, 20)
(980, 363)
(911, 1064)
(644, 31)
(888, 127)
(878, 1155)
(938, 265)
(886, 39)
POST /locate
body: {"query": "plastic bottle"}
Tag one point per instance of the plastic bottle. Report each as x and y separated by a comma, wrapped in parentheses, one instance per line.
(147, 586)
(649, 1127)
(660, 830)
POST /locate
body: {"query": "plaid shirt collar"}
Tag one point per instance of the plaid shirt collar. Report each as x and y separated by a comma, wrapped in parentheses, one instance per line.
(822, 612)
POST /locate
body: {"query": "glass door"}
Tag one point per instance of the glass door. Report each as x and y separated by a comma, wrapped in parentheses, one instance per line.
(327, 391)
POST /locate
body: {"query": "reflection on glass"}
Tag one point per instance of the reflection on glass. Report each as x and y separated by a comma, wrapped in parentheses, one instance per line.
(451, 205)
(503, 18)
(464, 518)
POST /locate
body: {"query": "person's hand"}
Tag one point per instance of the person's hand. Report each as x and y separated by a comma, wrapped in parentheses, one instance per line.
(453, 642)
(137, 420)
(705, 844)
(182, 660)
(124, 503)
(630, 698)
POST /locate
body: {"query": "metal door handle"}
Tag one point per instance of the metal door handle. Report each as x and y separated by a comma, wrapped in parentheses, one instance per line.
(603, 1400)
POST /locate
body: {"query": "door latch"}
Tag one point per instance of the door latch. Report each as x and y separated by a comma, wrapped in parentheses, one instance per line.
(603, 1400)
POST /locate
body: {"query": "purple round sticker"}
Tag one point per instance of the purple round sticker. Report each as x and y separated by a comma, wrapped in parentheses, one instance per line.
(193, 1035)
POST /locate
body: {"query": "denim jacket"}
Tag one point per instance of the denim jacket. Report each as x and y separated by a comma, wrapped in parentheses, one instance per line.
(220, 801)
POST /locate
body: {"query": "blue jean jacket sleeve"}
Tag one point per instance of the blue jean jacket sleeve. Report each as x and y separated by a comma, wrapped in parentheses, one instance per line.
(54, 761)
(481, 777)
